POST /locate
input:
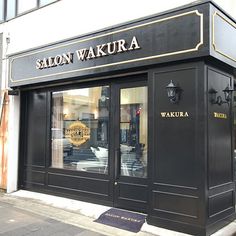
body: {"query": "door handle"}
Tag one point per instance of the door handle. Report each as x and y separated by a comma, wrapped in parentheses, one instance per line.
(117, 152)
(117, 162)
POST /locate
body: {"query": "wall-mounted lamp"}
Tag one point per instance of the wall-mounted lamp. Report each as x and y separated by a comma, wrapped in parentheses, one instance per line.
(228, 93)
(218, 99)
(173, 92)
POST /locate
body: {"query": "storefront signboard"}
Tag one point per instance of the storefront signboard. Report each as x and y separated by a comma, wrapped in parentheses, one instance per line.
(136, 44)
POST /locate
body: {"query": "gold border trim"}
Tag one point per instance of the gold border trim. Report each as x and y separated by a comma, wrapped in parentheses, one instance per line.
(213, 34)
(115, 63)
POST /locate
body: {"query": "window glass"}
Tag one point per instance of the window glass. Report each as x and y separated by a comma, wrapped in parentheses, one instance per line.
(79, 131)
(45, 2)
(24, 5)
(133, 132)
(11, 9)
(1, 10)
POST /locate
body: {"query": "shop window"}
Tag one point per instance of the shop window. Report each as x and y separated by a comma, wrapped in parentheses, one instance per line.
(24, 6)
(79, 130)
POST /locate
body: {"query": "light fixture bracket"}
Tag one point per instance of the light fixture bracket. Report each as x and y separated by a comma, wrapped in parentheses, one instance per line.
(214, 99)
(173, 92)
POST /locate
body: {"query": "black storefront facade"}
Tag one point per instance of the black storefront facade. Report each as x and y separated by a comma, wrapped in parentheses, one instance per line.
(137, 116)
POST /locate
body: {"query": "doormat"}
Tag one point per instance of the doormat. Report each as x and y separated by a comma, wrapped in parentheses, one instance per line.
(122, 219)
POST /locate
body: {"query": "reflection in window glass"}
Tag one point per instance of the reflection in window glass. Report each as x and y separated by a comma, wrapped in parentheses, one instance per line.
(133, 132)
(45, 2)
(24, 5)
(1, 10)
(11, 9)
(80, 129)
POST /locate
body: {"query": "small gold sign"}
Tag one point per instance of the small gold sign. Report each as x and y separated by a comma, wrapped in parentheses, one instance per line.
(174, 114)
(77, 133)
(220, 115)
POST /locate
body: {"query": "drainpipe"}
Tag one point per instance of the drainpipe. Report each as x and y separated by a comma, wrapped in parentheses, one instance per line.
(3, 140)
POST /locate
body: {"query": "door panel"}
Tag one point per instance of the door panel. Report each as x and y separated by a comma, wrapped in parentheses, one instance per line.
(35, 151)
(131, 147)
(34, 133)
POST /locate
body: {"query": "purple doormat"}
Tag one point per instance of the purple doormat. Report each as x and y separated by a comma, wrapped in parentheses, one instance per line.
(122, 219)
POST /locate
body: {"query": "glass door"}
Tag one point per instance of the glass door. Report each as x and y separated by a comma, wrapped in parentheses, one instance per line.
(133, 132)
(101, 133)
(131, 147)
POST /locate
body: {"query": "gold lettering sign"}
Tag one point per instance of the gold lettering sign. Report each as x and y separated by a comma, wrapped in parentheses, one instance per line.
(220, 115)
(106, 49)
(77, 133)
(174, 114)
(122, 217)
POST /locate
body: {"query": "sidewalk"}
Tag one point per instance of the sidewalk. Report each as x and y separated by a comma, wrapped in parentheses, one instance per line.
(18, 222)
(82, 214)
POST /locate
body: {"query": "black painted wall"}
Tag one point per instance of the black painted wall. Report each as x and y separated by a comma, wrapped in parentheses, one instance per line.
(37, 132)
(177, 150)
(191, 174)
(34, 157)
(221, 192)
